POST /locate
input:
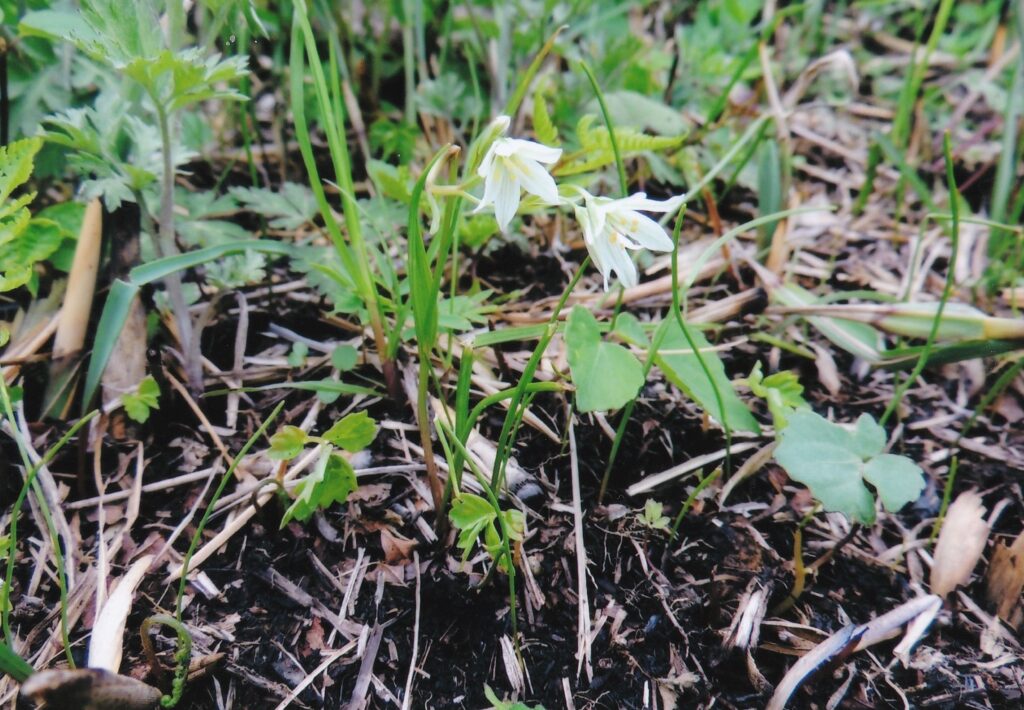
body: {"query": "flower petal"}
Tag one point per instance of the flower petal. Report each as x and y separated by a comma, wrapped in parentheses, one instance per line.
(534, 179)
(623, 266)
(639, 201)
(488, 162)
(529, 150)
(600, 254)
(592, 220)
(505, 193)
(642, 230)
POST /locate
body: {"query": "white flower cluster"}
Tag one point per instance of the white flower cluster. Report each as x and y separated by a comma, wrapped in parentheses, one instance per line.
(610, 227)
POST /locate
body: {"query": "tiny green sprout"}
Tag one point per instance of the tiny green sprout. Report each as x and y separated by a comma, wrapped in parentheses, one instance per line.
(344, 357)
(499, 704)
(332, 478)
(297, 357)
(835, 463)
(146, 397)
(652, 516)
(782, 392)
(331, 481)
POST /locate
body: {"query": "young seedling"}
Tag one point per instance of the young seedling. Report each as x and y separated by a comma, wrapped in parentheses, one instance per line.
(838, 464)
(332, 478)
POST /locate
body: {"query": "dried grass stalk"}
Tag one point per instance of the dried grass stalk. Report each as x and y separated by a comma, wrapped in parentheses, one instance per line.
(960, 545)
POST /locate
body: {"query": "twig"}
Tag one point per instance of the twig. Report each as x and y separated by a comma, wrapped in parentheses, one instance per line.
(211, 432)
(407, 698)
(583, 617)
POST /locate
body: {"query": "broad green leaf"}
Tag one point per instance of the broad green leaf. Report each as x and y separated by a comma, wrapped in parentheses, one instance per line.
(606, 375)
(139, 403)
(331, 481)
(287, 443)
(834, 463)
(470, 514)
(628, 328)
(682, 368)
(353, 433)
(629, 108)
(868, 437)
(897, 479)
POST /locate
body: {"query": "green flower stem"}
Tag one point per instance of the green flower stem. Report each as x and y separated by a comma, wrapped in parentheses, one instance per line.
(513, 416)
(947, 290)
(492, 497)
(690, 499)
(227, 477)
(168, 247)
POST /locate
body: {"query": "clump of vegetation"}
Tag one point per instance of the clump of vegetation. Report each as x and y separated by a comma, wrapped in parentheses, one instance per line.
(613, 331)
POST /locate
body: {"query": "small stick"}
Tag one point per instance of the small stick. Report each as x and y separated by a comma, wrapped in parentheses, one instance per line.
(407, 697)
(214, 436)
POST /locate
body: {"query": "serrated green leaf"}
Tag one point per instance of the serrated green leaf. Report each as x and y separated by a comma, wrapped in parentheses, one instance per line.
(470, 514)
(653, 517)
(683, 369)
(138, 404)
(16, 162)
(606, 375)
(781, 390)
(290, 207)
(331, 481)
(353, 433)
(829, 460)
(287, 443)
(393, 182)
(543, 128)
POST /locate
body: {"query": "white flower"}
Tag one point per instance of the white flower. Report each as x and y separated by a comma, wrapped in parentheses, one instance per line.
(511, 164)
(612, 227)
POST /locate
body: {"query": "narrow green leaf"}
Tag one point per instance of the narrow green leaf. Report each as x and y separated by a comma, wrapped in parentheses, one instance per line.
(14, 665)
(112, 320)
(682, 367)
